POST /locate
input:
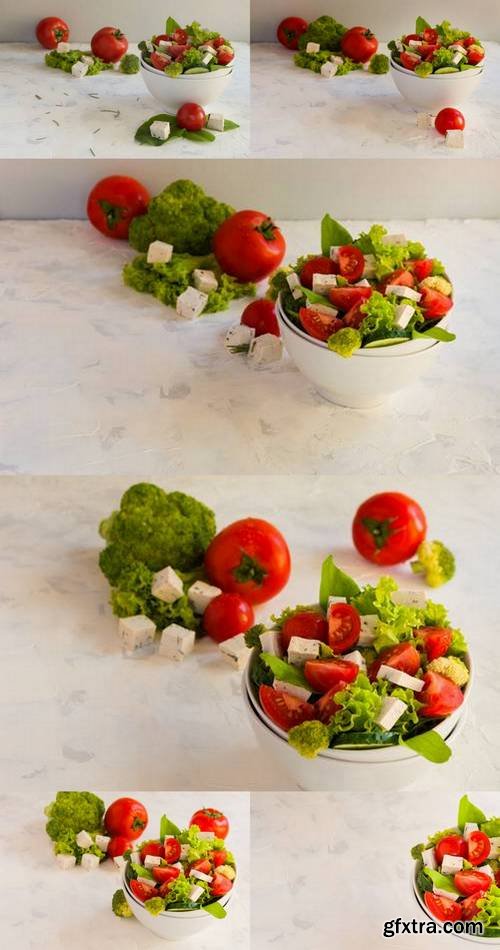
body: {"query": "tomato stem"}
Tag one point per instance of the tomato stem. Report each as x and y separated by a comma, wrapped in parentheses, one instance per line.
(114, 213)
(380, 530)
(267, 229)
(249, 570)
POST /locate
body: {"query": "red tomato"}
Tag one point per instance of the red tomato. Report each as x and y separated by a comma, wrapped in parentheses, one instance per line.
(161, 36)
(154, 848)
(219, 41)
(250, 557)
(355, 316)
(226, 616)
(218, 858)
(323, 675)
(452, 844)
(470, 906)
(411, 36)
(351, 262)
(177, 50)
(113, 202)
(210, 819)
(388, 528)
(430, 36)
(225, 55)
(180, 36)
(402, 657)
(422, 269)
(401, 278)
(437, 641)
(317, 324)
(309, 624)
(261, 315)
(449, 119)
(171, 850)
(160, 60)
(249, 246)
(325, 706)
(51, 31)
(478, 847)
(165, 875)
(290, 30)
(427, 50)
(284, 710)
(475, 54)
(318, 265)
(434, 303)
(470, 882)
(191, 116)
(117, 846)
(126, 817)
(202, 865)
(439, 695)
(359, 44)
(220, 885)
(345, 298)
(344, 625)
(109, 44)
(410, 60)
(443, 908)
(142, 891)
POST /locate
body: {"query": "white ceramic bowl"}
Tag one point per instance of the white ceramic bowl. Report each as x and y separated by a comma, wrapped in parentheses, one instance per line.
(472, 938)
(433, 93)
(364, 380)
(204, 89)
(174, 925)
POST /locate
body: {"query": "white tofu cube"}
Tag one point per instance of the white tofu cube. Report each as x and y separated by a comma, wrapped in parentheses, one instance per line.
(403, 314)
(195, 892)
(90, 862)
(63, 47)
(79, 70)
(300, 650)
(136, 632)
(356, 657)
(160, 130)
(145, 880)
(159, 252)
(119, 862)
(215, 122)
(102, 842)
(265, 349)
(495, 847)
(300, 692)
(398, 239)
(454, 138)
(201, 595)
(391, 710)
(329, 70)
(440, 892)
(176, 642)
(425, 120)
(451, 864)
(399, 678)
(167, 586)
(429, 858)
(323, 283)
(205, 280)
(409, 598)
(270, 642)
(469, 827)
(323, 308)
(207, 58)
(152, 861)
(457, 58)
(235, 651)
(368, 628)
(313, 48)
(486, 869)
(369, 268)
(336, 600)
(239, 336)
(200, 876)
(400, 291)
(191, 303)
(65, 861)
(84, 840)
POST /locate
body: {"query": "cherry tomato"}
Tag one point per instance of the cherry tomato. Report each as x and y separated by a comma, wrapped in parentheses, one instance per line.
(191, 116)
(126, 817)
(388, 528)
(427, 50)
(452, 844)
(351, 262)
(218, 858)
(202, 865)
(437, 641)
(250, 557)
(284, 710)
(160, 60)
(411, 36)
(401, 278)
(180, 36)
(51, 31)
(142, 891)
(402, 657)
(165, 875)
(434, 303)
(475, 54)
(344, 625)
(478, 847)
(109, 44)
(117, 846)
(177, 50)
(422, 269)
(155, 848)
(290, 30)
(359, 44)
(430, 36)
(323, 675)
(225, 55)
(410, 60)
(470, 882)
(219, 41)
(326, 706)
(449, 119)
(226, 616)
(318, 265)
(260, 314)
(309, 624)
(355, 316)
(317, 324)
(440, 696)
(220, 885)
(249, 246)
(113, 202)
(345, 298)
(443, 908)
(470, 906)
(162, 37)
(171, 850)
(210, 819)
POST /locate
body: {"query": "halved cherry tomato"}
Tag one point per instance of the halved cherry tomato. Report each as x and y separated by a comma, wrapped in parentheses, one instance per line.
(478, 847)
(202, 865)
(434, 303)
(160, 60)
(165, 875)
(284, 710)
(410, 60)
(437, 640)
(309, 624)
(318, 325)
(442, 908)
(451, 844)
(177, 50)
(344, 626)
(318, 265)
(155, 848)
(427, 50)
(430, 35)
(218, 42)
(388, 528)
(172, 850)
(469, 41)
(220, 885)
(355, 316)
(326, 706)
(401, 278)
(497, 878)
(475, 54)
(440, 696)
(470, 906)
(422, 269)
(322, 675)
(142, 891)
(218, 858)
(225, 55)
(351, 262)
(470, 882)
(345, 298)
(402, 657)
(180, 36)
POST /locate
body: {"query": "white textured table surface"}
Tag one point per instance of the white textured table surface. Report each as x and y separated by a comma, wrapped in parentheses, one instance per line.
(97, 378)
(47, 113)
(82, 715)
(299, 114)
(73, 908)
(332, 868)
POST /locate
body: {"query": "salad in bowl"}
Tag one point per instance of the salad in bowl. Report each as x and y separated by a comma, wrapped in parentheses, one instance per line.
(457, 872)
(186, 51)
(437, 51)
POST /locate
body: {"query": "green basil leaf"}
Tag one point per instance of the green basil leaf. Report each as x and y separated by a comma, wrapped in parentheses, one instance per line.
(312, 297)
(436, 333)
(441, 880)
(171, 25)
(215, 910)
(430, 746)
(202, 136)
(285, 671)
(333, 234)
(422, 25)
(467, 812)
(168, 829)
(334, 583)
(143, 134)
(228, 125)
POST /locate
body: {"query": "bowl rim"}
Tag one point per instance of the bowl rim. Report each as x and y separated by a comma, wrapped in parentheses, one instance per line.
(461, 72)
(224, 71)
(472, 938)
(190, 912)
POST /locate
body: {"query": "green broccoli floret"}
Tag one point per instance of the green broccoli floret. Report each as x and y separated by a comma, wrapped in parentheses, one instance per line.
(173, 70)
(345, 342)
(452, 667)
(74, 811)
(119, 905)
(379, 63)
(192, 58)
(155, 906)
(129, 64)
(182, 215)
(326, 31)
(309, 738)
(436, 562)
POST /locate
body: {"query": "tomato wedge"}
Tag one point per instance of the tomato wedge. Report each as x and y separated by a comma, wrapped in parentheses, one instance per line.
(309, 624)
(284, 710)
(470, 882)
(164, 875)
(172, 850)
(422, 269)
(345, 298)
(355, 316)
(478, 847)
(322, 675)
(318, 265)
(442, 908)
(325, 706)
(318, 325)
(351, 262)
(202, 865)
(452, 844)
(469, 905)
(155, 848)
(344, 627)
(400, 278)
(404, 657)
(437, 640)
(143, 892)
(410, 60)
(440, 696)
(434, 303)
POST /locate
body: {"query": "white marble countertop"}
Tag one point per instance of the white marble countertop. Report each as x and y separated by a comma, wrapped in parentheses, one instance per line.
(81, 715)
(97, 378)
(73, 908)
(332, 868)
(46, 113)
(299, 114)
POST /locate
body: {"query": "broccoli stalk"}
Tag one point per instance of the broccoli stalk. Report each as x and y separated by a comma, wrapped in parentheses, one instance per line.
(435, 562)
(119, 905)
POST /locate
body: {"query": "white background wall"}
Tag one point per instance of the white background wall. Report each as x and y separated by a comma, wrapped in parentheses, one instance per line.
(290, 189)
(137, 20)
(387, 18)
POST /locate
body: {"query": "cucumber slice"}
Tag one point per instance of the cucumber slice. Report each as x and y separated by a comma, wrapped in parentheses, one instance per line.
(195, 70)
(446, 69)
(215, 66)
(465, 66)
(389, 341)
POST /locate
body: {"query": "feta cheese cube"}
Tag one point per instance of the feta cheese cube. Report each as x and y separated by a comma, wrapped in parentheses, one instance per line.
(313, 48)
(159, 252)
(291, 690)
(495, 847)
(177, 865)
(167, 586)
(135, 857)
(63, 47)
(239, 336)
(457, 58)
(176, 642)
(368, 626)
(195, 892)
(79, 69)
(414, 43)
(184, 852)
(216, 122)
(486, 869)
(451, 864)
(391, 710)
(337, 60)
(201, 595)
(293, 280)
(429, 858)
(454, 138)
(334, 251)
(152, 861)
(322, 308)
(264, 349)
(399, 678)
(469, 827)
(369, 268)
(425, 120)
(409, 598)
(329, 70)
(191, 303)
(459, 48)
(102, 842)
(362, 283)
(207, 48)
(136, 632)
(87, 59)
(84, 840)
(205, 280)
(119, 862)
(149, 46)
(207, 58)
(398, 239)
(399, 45)
(440, 892)
(270, 642)
(164, 44)
(356, 657)
(65, 861)
(322, 283)
(200, 876)
(160, 130)
(89, 861)
(145, 880)
(403, 314)
(300, 649)
(235, 651)
(297, 293)
(336, 600)
(399, 291)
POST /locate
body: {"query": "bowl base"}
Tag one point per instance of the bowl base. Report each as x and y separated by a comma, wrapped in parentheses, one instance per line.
(350, 403)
